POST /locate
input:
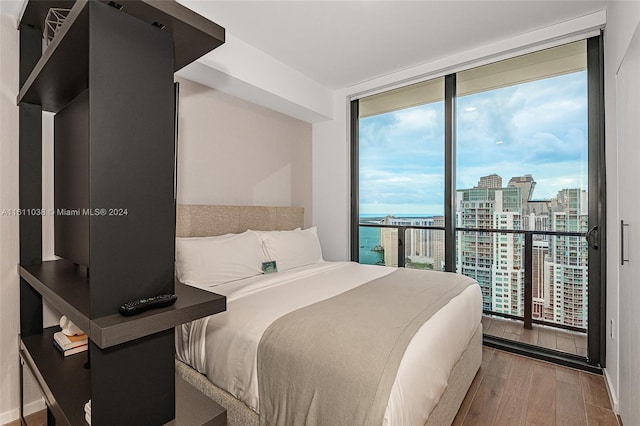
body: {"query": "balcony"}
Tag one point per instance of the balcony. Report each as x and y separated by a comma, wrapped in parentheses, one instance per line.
(533, 297)
(549, 337)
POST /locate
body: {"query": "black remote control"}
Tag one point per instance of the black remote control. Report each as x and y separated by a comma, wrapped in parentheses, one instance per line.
(139, 306)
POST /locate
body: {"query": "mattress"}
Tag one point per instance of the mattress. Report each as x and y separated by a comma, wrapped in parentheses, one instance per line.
(224, 346)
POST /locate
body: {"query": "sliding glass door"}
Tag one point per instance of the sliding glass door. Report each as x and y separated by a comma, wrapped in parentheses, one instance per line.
(522, 166)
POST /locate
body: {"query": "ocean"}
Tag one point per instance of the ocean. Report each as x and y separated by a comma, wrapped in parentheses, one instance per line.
(369, 238)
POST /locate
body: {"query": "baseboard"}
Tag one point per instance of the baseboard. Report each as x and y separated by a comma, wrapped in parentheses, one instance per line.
(613, 396)
(30, 408)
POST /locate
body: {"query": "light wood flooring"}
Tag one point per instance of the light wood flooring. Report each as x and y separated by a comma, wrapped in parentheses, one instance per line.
(36, 419)
(548, 337)
(512, 390)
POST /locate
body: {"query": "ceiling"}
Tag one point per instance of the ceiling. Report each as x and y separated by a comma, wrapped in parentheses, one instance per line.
(342, 43)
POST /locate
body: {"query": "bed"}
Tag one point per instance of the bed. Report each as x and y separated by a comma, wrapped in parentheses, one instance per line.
(218, 355)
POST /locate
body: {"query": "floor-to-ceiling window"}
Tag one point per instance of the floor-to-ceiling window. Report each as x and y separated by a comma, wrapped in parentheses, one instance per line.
(401, 175)
(520, 207)
(522, 165)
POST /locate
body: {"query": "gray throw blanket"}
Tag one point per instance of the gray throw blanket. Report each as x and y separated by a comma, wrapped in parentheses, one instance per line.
(334, 362)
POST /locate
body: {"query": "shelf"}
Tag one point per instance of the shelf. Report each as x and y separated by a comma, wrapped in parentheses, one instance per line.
(66, 286)
(192, 304)
(63, 284)
(194, 408)
(66, 385)
(61, 74)
(65, 382)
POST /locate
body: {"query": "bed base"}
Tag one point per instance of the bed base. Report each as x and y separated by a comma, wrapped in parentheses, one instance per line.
(463, 373)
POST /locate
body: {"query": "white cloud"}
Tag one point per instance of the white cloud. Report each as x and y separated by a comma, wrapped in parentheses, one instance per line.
(542, 125)
(416, 119)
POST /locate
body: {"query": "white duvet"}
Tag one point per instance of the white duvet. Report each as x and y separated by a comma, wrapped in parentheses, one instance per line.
(224, 346)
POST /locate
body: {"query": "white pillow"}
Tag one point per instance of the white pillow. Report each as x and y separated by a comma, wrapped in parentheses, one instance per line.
(220, 259)
(291, 249)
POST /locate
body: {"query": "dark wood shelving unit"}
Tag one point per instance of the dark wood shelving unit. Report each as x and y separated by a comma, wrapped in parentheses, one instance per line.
(67, 383)
(66, 286)
(108, 76)
(64, 380)
(61, 74)
(192, 304)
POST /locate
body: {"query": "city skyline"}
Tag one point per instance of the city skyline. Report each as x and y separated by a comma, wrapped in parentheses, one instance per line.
(495, 260)
(538, 128)
(526, 181)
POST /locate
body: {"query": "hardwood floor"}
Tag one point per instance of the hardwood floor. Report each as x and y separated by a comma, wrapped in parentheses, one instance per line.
(512, 390)
(36, 419)
(548, 337)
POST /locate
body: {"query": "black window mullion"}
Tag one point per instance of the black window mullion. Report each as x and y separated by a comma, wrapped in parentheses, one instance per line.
(596, 336)
(450, 173)
(355, 181)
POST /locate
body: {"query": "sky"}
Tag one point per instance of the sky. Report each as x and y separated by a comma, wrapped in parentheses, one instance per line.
(537, 128)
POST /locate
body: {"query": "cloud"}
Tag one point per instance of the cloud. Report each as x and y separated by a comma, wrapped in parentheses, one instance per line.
(384, 187)
(416, 119)
(542, 124)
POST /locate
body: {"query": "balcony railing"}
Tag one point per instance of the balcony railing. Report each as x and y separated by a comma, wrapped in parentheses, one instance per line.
(483, 265)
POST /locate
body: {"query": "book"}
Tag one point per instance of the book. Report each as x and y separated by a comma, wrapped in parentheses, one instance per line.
(69, 342)
(72, 351)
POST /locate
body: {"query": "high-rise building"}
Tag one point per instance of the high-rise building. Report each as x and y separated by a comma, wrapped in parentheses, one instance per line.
(542, 303)
(389, 241)
(490, 181)
(492, 259)
(559, 268)
(438, 244)
(526, 185)
(495, 259)
(424, 248)
(569, 259)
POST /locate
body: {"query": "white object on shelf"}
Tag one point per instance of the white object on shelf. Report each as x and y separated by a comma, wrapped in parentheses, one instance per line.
(69, 328)
(53, 21)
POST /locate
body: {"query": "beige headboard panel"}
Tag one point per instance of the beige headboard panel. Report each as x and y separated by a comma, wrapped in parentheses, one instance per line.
(194, 220)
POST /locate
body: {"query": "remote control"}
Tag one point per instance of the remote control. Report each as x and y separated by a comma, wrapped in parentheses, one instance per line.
(139, 306)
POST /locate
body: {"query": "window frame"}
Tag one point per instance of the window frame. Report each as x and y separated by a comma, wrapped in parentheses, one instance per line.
(596, 332)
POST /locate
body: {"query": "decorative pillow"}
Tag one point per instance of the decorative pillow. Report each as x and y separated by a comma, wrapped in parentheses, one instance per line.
(291, 249)
(220, 259)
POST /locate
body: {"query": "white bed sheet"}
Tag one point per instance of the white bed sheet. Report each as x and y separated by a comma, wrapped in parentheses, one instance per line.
(224, 346)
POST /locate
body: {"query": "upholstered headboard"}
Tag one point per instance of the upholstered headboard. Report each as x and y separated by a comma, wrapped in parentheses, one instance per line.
(194, 220)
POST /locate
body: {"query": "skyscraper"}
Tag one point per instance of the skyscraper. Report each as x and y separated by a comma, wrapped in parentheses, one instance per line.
(495, 260)
(424, 248)
(492, 259)
(569, 259)
(490, 181)
(526, 185)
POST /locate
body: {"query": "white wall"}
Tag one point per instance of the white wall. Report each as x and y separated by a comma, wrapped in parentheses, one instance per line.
(331, 190)
(622, 19)
(241, 70)
(9, 385)
(234, 152)
(9, 243)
